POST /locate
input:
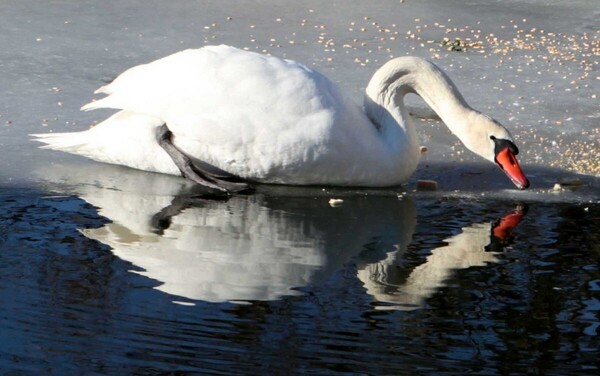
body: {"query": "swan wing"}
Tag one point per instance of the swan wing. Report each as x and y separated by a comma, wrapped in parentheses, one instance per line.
(254, 116)
(246, 113)
(220, 84)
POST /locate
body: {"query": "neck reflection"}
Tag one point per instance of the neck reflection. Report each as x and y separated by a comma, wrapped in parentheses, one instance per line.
(477, 245)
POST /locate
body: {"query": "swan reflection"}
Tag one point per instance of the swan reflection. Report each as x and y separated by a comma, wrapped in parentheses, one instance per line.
(477, 245)
(215, 251)
(264, 246)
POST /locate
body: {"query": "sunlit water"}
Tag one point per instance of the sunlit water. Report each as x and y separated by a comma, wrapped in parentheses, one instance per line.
(105, 270)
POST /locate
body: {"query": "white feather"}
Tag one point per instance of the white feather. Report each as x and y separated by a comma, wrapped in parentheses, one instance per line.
(126, 138)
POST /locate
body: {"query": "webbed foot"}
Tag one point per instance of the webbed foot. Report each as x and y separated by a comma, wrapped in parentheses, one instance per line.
(224, 183)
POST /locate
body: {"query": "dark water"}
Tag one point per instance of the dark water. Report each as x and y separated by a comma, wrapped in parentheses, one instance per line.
(110, 281)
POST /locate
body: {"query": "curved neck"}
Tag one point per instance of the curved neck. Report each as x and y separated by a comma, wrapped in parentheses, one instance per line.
(385, 93)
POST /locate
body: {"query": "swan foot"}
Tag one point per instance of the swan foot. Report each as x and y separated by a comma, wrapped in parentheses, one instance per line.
(223, 183)
(162, 220)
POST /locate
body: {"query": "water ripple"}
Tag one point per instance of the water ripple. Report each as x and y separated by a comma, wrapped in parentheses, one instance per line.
(71, 304)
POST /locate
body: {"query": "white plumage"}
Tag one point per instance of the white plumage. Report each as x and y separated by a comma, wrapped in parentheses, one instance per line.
(270, 120)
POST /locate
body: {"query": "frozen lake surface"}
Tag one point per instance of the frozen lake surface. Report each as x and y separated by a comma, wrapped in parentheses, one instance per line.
(107, 270)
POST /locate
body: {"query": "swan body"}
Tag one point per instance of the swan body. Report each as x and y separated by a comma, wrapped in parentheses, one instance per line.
(269, 120)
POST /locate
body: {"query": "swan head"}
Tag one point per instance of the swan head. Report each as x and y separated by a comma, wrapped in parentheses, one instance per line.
(492, 141)
(478, 132)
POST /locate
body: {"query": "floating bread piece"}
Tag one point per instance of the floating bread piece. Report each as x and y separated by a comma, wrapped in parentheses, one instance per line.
(333, 202)
(568, 184)
(427, 185)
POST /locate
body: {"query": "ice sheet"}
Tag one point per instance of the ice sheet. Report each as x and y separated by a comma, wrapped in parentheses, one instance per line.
(530, 64)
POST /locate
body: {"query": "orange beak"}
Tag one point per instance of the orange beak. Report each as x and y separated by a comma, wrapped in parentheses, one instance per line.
(503, 229)
(509, 164)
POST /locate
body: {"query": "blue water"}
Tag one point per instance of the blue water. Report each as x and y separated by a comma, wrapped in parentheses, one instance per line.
(70, 305)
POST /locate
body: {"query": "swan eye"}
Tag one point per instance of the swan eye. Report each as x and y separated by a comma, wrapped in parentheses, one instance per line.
(501, 144)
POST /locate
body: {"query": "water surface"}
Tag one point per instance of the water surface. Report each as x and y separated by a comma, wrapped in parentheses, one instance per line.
(150, 278)
(110, 271)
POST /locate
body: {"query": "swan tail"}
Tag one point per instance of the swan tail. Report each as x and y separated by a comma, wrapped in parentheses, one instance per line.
(87, 143)
(126, 138)
(70, 142)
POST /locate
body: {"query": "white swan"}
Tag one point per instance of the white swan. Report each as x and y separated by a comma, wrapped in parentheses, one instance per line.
(219, 113)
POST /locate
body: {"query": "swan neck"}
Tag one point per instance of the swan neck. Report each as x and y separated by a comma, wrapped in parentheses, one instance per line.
(406, 75)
